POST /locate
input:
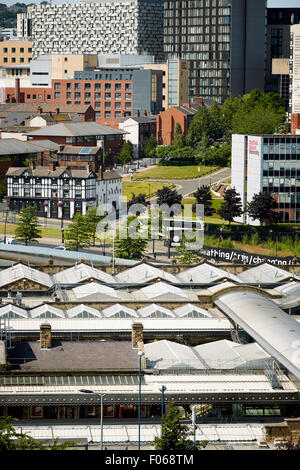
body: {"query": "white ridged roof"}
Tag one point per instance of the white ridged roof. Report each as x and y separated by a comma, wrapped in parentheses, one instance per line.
(161, 290)
(20, 271)
(95, 291)
(205, 273)
(144, 273)
(117, 309)
(186, 309)
(36, 312)
(152, 308)
(74, 311)
(80, 273)
(265, 273)
(14, 309)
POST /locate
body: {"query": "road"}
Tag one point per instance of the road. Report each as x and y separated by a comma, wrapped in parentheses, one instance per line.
(186, 187)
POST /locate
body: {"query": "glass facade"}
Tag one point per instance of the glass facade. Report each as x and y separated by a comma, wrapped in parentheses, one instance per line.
(200, 31)
(281, 174)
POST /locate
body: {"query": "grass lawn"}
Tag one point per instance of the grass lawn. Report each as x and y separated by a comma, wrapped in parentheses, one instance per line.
(130, 187)
(174, 172)
(50, 232)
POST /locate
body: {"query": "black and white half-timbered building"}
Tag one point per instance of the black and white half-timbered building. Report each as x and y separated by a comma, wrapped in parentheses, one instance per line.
(55, 192)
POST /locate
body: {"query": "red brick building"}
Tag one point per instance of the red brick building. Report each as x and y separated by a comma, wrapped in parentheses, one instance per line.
(295, 123)
(83, 134)
(167, 120)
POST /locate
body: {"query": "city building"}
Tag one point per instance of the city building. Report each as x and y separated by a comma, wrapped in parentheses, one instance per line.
(14, 152)
(224, 42)
(62, 191)
(115, 26)
(175, 81)
(54, 192)
(8, 33)
(24, 113)
(139, 129)
(24, 24)
(167, 120)
(87, 134)
(295, 79)
(113, 93)
(279, 22)
(271, 163)
(15, 56)
(225, 378)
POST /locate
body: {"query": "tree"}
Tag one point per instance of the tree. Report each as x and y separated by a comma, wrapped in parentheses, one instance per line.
(174, 435)
(150, 146)
(168, 196)
(3, 188)
(10, 439)
(92, 220)
(203, 196)
(179, 139)
(78, 234)
(126, 154)
(231, 207)
(263, 208)
(139, 199)
(27, 229)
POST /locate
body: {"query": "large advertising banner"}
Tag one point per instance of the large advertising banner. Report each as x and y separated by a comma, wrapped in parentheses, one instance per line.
(242, 257)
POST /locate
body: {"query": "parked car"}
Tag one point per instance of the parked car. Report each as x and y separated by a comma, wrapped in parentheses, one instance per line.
(61, 248)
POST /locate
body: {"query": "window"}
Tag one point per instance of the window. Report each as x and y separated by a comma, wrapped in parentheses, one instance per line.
(107, 86)
(128, 86)
(128, 96)
(77, 95)
(69, 95)
(77, 86)
(65, 71)
(117, 105)
(107, 105)
(107, 96)
(5, 59)
(13, 59)
(69, 86)
(22, 60)
(127, 105)
(39, 97)
(48, 97)
(29, 49)
(87, 86)
(5, 49)
(117, 114)
(97, 86)
(107, 114)
(97, 104)
(13, 49)
(21, 49)
(98, 114)
(118, 86)
(66, 59)
(87, 96)
(57, 95)
(117, 96)
(34, 97)
(97, 96)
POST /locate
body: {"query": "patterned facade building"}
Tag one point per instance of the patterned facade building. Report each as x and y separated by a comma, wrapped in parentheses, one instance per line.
(115, 26)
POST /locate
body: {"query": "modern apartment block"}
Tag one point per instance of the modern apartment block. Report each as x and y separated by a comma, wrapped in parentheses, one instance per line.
(295, 79)
(224, 40)
(175, 82)
(112, 93)
(271, 163)
(15, 56)
(109, 26)
(24, 24)
(279, 22)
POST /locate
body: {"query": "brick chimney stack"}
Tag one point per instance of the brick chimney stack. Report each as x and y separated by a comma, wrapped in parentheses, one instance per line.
(137, 113)
(57, 110)
(101, 172)
(45, 336)
(17, 91)
(52, 166)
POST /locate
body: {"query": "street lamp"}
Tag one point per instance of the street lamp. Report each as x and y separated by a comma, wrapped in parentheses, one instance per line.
(101, 413)
(163, 389)
(5, 222)
(140, 354)
(61, 204)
